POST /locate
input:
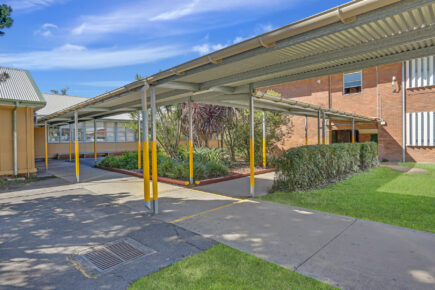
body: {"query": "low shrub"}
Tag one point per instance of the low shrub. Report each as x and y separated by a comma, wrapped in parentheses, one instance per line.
(214, 169)
(110, 161)
(309, 167)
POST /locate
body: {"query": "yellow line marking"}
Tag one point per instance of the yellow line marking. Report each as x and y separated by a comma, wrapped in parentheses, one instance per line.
(77, 266)
(217, 194)
(206, 211)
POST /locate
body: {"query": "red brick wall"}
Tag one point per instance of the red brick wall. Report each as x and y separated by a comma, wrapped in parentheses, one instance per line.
(376, 99)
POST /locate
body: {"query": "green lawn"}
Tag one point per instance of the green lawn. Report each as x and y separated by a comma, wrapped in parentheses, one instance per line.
(381, 195)
(222, 267)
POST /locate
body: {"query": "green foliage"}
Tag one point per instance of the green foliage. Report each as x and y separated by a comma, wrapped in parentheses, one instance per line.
(110, 162)
(128, 160)
(214, 169)
(309, 167)
(5, 19)
(237, 133)
(208, 163)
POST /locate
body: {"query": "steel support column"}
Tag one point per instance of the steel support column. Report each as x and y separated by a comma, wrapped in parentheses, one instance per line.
(95, 141)
(146, 150)
(251, 146)
(318, 127)
(323, 129)
(70, 140)
(76, 145)
(353, 130)
(15, 140)
(306, 130)
(139, 149)
(264, 140)
(403, 113)
(190, 141)
(46, 145)
(154, 151)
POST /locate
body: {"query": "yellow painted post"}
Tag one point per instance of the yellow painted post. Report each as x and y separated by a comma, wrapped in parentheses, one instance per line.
(251, 148)
(46, 146)
(264, 139)
(190, 142)
(146, 150)
(154, 151)
(139, 149)
(76, 146)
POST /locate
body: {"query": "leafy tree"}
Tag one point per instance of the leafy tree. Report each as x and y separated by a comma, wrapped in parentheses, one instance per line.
(3, 76)
(237, 133)
(5, 19)
(61, 92)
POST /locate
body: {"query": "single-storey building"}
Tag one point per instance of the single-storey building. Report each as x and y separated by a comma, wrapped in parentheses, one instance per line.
(19, 98)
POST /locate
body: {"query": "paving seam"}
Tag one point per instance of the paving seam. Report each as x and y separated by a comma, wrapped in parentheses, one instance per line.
(206, 211)
(325, 245)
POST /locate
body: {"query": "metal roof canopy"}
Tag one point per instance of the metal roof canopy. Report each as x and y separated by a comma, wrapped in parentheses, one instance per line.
(356, 35)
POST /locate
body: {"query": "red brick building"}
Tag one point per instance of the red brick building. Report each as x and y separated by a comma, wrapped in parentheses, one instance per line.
(376, 92)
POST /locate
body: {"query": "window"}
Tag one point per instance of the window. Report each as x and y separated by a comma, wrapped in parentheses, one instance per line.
(64, 133)
(53, 134)
(420, 129)
(420, 72)
(89, 126)
(120, 132)
(110, 131)
(131, 134)
(352, 83)
(101, 135)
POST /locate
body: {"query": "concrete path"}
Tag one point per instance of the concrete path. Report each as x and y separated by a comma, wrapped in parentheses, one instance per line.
(40, 228)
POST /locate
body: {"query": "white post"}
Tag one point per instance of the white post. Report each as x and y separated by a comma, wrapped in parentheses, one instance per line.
(76, 151)
(145, 149)
(264, 140)
(154, 151)
(251, 146)
(190, 141)
(403, 113)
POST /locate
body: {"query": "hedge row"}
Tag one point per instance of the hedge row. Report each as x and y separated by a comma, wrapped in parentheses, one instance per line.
(310, 167)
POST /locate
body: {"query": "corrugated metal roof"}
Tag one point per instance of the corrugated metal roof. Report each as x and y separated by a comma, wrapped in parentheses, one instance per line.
(20, 86)
(397, 32)
(58, 102)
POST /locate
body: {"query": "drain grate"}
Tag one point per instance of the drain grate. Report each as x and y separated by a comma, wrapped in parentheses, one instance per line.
(125, 251)
(102, 259)
(115, 253)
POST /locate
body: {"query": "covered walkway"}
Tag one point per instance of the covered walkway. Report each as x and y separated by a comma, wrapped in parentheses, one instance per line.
(350, 37)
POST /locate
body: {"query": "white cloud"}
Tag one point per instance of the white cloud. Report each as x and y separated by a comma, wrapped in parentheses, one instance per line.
(32, 4)
(145, 15)
(71, 56)
(206, 48)
(47, 29)
(266, 27)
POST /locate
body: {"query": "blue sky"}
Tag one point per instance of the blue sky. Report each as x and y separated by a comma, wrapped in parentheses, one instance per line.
(96, 46)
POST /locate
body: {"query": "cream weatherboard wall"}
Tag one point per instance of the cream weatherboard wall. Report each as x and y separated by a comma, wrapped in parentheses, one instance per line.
(26, 156)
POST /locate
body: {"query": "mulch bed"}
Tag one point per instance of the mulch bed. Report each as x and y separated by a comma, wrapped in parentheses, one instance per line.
(238, 171)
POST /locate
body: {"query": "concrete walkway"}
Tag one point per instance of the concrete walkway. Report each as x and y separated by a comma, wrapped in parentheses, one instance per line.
(40, 228)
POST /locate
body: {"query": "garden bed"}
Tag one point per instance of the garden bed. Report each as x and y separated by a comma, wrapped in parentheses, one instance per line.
(234, 173)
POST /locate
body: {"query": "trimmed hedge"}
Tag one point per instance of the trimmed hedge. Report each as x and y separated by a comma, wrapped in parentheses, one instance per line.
(310, 167)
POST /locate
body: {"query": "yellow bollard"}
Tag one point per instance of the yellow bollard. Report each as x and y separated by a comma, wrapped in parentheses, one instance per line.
(138, 155)
(77, 155)
(190, 161)
(264, 153)
(95, 150)
(252, 162)
(146, 171)
(154, 168)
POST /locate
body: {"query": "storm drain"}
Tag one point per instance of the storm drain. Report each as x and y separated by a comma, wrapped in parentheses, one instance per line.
(110, 255)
